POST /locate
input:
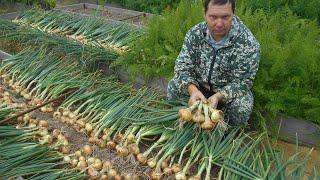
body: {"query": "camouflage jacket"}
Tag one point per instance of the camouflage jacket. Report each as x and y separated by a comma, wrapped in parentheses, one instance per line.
(230, 69)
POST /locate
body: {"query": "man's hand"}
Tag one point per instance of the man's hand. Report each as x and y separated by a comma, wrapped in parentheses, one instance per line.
(195, 95)
(215, 99)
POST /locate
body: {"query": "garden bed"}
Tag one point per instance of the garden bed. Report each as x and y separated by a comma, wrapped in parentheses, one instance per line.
(114, 13)
(108, 12)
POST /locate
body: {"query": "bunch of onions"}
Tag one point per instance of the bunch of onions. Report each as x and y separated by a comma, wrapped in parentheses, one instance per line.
(203, 114)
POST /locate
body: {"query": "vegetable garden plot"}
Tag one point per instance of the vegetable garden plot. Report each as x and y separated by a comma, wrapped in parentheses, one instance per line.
(131, 123)
(114, 13)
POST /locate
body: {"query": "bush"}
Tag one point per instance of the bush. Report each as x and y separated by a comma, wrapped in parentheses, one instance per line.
(154, 6)
(304, 8)
(288, 80)
(154, 55)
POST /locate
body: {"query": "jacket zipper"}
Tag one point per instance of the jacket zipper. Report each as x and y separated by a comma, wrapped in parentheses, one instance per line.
(211, 68)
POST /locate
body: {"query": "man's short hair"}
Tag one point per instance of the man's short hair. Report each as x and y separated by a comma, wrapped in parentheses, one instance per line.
(219, 2)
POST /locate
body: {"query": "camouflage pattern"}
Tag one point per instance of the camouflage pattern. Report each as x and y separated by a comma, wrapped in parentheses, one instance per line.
(234, 69)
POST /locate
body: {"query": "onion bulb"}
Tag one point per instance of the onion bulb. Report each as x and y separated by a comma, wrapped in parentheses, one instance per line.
(67, 159)
(43, 123)
(104, 177)
(101, 143)
(112, 173)
(194, 178)
(142, 159)
(185, 114)
(152, 162)
(111, 144)
(47, 139)
(134, 149)
(82, 158)
(117, 177)
(107, 165)
(55, 133)
(78, 153)
(180, 176)
(168, 171)
(97, 164)
(216, 115)
(131, 176)
(122, 151)
(65, 149)
(207, 125)
(131, 138)
(164, 164)
(90, 160)
(57, 115)
(156, 175)
(88, 127)
(74, 162)
(94, 174)
(176, 168)
(87, 150)
(92, 140)
(82, 164)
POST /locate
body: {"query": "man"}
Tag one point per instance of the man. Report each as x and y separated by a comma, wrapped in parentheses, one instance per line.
(218, 63)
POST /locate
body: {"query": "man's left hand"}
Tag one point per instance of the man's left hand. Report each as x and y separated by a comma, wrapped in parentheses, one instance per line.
(215, 99)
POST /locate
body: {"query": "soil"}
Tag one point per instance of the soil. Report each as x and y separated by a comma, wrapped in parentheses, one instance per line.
(290, 150)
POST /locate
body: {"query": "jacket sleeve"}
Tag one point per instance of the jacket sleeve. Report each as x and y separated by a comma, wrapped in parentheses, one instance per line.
(247, 64)
(185, 64)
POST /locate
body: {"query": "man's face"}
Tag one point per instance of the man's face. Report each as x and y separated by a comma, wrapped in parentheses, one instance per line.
(219, 19)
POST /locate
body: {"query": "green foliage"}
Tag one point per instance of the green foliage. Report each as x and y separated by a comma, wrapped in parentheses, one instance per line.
(288, 80)
(304, 8)
(155, 53)
(46, 4)
(154, 6)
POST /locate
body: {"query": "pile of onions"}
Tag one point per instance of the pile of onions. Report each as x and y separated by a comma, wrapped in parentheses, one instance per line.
(203, 114)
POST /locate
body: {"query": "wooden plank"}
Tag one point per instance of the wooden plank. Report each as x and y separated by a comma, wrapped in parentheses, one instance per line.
(10, 16)
(4, 55)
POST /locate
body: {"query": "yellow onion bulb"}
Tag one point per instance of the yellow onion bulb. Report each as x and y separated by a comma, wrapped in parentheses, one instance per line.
(87, 150)
(185, 114)
(142, 159)
(112, 173)
(207, 125)
(107, 165)
(152, 162)
(156, 175)
(216, 115)
(134, 149)
(43, 123)
(111, 144)
(180, 176)
(176, 168)
(82, 164)
(97, 164)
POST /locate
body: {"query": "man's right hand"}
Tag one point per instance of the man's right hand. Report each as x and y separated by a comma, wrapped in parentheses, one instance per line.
(195, 94)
